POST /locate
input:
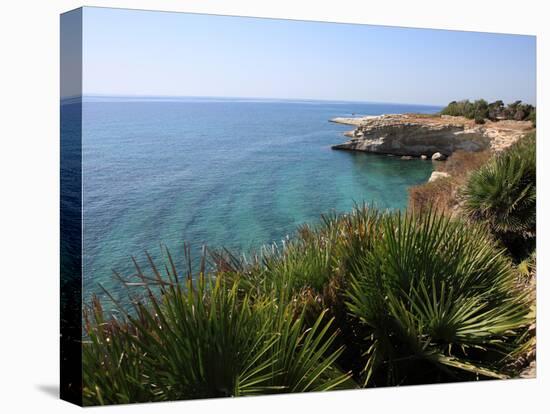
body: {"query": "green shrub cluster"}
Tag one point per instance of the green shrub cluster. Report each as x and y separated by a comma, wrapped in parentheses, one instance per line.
(502, 194)
(364, 299)
(205, 339)
(480, 110)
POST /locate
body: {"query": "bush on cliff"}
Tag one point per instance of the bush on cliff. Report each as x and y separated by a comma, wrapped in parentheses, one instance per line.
(442, 193)
(533, 117)
(480, 110)
(438, 195)
(204, 340)
(391, 298)
(472, 110)
(503, 194)
(436, 299)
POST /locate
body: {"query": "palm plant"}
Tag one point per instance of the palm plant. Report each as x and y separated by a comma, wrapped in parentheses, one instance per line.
(434, 300)
(112, 369)
(392, 298)
(503, 192)
(204, 339)
(311, 261)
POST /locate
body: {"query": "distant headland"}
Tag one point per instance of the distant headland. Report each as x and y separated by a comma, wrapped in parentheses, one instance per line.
(467, 126)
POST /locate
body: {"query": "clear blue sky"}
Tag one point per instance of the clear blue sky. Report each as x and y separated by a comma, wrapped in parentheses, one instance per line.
(129, 52)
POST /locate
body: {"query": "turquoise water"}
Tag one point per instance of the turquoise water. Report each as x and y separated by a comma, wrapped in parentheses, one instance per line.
(233, 173)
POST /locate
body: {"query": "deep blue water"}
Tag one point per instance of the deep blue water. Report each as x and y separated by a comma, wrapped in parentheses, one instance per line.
(231, 173)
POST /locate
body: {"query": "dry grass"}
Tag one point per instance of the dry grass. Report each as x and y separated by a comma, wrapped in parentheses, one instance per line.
(416, 115)
(442, 194)
(461, 163)
(438, 194)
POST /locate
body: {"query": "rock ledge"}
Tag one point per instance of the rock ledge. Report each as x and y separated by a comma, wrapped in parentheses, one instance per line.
(416, 135)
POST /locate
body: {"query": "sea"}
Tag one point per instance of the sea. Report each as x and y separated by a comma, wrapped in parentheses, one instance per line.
(223, 173)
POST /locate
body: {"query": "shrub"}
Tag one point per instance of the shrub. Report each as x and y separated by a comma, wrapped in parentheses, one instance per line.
(441, 194)
(425, 261)
(435, 299)
(461, 163)
(503, 193)
(495, 110)
(438, 195)
(480, 109)
(477, 109)
(305, 261)
(202, 340)
(533, 117)
(369, 297)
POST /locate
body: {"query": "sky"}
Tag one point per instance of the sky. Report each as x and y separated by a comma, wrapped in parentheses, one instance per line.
(130, 52)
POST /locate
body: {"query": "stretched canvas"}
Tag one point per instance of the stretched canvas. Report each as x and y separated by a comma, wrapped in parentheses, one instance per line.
(262, 206)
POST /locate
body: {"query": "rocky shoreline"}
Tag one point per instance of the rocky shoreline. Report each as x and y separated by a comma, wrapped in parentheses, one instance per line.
(428, 136)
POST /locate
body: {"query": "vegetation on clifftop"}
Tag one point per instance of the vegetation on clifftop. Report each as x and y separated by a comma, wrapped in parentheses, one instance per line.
(481, 110)
(498, 190)
(442, 194)
(502, 193)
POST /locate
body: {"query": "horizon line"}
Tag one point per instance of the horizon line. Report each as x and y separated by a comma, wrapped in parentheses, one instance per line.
(250, 98)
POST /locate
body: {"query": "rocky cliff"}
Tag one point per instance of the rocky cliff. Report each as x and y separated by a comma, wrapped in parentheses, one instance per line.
(417, 135)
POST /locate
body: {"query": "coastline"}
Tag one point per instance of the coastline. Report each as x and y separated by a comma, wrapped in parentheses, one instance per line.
(418, 135)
